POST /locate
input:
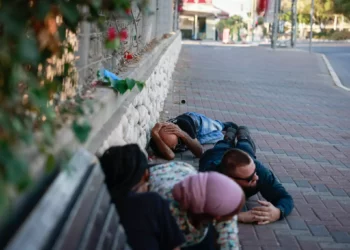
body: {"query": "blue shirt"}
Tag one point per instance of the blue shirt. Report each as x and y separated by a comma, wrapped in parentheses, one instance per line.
(207, 129)
(268, 185)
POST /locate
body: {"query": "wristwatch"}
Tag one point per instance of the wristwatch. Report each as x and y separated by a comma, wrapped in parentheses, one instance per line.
(282, 212)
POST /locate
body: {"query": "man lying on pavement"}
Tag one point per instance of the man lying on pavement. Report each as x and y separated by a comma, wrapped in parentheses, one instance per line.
(238, 161)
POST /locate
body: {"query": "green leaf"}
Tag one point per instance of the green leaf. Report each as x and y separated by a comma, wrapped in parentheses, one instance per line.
(81, 130)
(50, 163)
(62, 32)
(13, 26)
(120, 86)
(4, 199)
(42, 9)
(114, 44)
(48, 133)
(17, 125)
(140, 85)
(66, 69)
(70, 13)
(130, 83)
(28, 51)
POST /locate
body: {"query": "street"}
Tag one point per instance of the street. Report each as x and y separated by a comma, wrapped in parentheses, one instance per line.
(300, 122)
(338, 55)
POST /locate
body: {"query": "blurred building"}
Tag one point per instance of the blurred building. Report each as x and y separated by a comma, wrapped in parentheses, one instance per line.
(198, 19)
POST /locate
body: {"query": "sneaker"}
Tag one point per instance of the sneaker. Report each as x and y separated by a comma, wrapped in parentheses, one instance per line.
(243, 133)
(229, 125)
(230, 135)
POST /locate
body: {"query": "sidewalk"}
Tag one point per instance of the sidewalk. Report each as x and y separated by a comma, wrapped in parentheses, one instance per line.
(300, 122)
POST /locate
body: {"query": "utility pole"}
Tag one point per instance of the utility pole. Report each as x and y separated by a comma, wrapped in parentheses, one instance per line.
(275, 25)
(294, 23)
(311, 23)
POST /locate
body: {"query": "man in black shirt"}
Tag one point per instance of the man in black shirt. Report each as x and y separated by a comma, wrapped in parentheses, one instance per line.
(238, 161)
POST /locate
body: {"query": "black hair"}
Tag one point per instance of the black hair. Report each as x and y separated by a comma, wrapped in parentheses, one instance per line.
(123, 167)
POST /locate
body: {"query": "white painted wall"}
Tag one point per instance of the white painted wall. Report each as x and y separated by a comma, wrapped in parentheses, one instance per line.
(210, 28)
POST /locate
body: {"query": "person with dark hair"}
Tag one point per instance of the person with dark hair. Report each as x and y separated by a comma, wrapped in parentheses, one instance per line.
(238, 161)
(195, 201)
(199, 200)
(145, 216)
(186, 131)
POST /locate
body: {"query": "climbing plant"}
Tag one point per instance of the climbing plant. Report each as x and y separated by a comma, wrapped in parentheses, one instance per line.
(33, 103)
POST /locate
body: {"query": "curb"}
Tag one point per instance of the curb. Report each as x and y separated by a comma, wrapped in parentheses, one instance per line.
(220, 44)
(334, 75)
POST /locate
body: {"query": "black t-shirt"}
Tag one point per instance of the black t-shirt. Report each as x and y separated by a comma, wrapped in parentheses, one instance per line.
(186, 124)
(148, 222)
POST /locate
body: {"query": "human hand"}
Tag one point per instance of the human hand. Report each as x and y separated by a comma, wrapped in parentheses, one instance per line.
(171, 128)
(266, 213)
(157, 128)
(246, 217)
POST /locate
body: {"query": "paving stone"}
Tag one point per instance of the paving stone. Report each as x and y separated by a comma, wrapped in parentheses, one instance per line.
(338, 192)
(285, 179)
(309, 245)
(296, 223)
(341, 237)
(320, 188)
(328, 245)
(302, 183)
(319, 230)
(298, 120)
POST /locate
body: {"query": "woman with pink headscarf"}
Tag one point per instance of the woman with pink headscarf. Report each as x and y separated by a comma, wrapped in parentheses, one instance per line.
(198, 200)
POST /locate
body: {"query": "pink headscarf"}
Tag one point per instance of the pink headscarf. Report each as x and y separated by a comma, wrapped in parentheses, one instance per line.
(208, 193)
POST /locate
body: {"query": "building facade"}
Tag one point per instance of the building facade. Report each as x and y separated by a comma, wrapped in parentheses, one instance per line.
(198, 19)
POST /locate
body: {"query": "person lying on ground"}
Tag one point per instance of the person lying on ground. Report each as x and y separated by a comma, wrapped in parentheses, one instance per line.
(187, 131)
(195, 200)
(238, 161)
(145, 216)
(203, 204)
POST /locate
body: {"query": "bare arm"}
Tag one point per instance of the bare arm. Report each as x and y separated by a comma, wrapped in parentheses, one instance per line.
(178, 248)
(166, 152)
(193, 144)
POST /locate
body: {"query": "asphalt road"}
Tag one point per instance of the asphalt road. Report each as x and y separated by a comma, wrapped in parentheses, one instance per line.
(338, 55)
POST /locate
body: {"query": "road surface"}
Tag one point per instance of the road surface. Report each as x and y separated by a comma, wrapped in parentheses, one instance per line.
(338, 55)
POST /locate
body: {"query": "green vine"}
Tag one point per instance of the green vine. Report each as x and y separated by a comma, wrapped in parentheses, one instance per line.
(34, 102)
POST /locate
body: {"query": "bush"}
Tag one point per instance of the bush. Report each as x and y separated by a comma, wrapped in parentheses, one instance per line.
(340, 35)
(33, 37)
(332, 35)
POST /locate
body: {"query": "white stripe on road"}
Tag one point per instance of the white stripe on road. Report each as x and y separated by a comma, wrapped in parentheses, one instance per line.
(333, 74)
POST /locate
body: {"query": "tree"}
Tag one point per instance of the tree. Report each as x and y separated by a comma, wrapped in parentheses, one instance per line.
(323, 11)
(233, 23)
(342, 7)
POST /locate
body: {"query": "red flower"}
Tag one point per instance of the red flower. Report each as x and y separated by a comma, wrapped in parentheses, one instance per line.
(128, 11)
(111, 34)
(123, 35)
(128, 55)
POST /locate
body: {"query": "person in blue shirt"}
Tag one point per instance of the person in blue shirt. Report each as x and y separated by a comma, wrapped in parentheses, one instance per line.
(238, 161)
(187, 131)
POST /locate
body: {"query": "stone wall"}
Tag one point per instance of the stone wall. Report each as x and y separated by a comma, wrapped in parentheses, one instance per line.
(129, 118)
(143, 112)
(142, 29)
(120, 119)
